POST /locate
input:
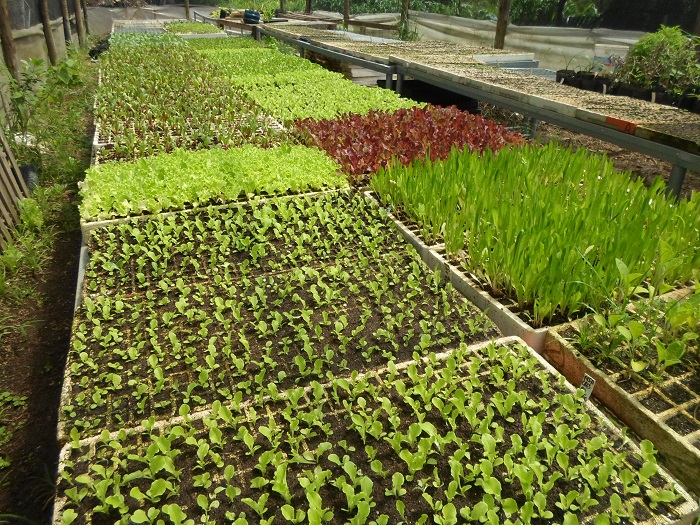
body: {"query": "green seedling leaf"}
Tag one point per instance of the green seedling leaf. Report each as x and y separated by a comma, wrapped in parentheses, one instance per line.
(68, 516)
(638, 366)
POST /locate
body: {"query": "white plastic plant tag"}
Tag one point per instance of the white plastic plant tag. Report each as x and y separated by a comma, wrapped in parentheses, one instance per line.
(587, 384)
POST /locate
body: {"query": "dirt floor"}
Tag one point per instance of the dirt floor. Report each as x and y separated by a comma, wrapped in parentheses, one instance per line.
(34, 356)
(33, 362)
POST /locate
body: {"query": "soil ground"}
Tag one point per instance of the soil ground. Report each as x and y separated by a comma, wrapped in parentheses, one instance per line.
(33, 363)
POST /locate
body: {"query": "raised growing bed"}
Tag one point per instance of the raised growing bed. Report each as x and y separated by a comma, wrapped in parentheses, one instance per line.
(316, 94)
(362, 144)
(663, 124)
(119, 189)
(144, 105)
(433, 256)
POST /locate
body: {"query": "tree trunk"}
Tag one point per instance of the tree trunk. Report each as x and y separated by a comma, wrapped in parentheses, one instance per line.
(9, 52)
(308, 7)
(48, 33)
(79, 22)
(696, 31)
(404, 14)
(66, 21)
(502, 24)
(346, 13)
(187, 10)
(559, 17)
(283, 6)
(85, 16)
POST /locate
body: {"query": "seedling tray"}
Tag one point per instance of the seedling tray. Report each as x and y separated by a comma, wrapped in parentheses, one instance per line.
(190, 307)
(679, 395)
(365, 446)
(507, 322)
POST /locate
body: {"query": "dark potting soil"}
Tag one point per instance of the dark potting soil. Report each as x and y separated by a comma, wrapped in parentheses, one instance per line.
(677, 393)
(693, 383)
(632, 384)
(683, 424)
(655, 403)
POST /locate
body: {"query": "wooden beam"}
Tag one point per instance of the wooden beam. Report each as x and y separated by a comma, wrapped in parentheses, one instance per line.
(79, 22)
(7, 40)
(502, 24)
(48, 32)
(83, 3)
(66, 22)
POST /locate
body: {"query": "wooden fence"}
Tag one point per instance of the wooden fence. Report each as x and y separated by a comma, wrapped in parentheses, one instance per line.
(12, 190)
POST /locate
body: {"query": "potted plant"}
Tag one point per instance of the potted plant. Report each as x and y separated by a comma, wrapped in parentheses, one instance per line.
(660, 64)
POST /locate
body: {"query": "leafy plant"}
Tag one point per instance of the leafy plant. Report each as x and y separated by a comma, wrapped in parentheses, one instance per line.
(191, 28)
(657, 334)
(364, 143)
(118, 189)
(533, 246)
(666, 59)
(316, 94)
(143, 107)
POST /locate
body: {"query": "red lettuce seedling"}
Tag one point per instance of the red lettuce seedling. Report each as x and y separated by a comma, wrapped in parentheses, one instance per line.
(364, 143)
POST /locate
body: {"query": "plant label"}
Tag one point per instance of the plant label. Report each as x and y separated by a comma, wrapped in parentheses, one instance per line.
(587, 384)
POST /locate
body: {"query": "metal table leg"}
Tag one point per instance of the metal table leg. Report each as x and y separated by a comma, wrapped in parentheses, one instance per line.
(675, 181)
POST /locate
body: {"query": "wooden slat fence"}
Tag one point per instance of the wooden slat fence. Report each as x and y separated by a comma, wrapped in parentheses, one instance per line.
(12, 190)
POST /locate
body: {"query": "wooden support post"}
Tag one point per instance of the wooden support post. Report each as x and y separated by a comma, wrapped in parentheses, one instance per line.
(85, 16)
(346, 13)
(187, 10)
(308, 7)
(48, 33)
(79, 22)
(531, 127)
(9, 51)
(65, 14)
(502, 24)
(403, 22)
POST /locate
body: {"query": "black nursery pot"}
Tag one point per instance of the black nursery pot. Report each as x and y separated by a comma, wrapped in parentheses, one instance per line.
(587, 80)
(630, 90)
(690, 100)
(602, 84)
(565, 74)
